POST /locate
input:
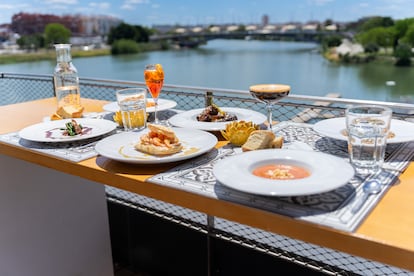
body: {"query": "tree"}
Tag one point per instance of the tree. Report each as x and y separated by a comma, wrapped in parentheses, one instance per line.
(328, 22)
(383, 37)
(375, 22)
(129, 32)
(403, 54)
(56, 33)
(31, 42)
(401, 26)
(408, 38)
(332, 41)
(124, 46)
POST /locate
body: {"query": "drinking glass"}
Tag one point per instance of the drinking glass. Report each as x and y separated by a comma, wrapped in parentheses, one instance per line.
(132, 104)
(154, 79)
(367, 128)
(269, 94)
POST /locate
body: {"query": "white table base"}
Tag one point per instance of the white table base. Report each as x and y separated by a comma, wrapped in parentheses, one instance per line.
(51, 223)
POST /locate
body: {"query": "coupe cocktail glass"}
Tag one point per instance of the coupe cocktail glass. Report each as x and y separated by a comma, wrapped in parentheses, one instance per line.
(269, 94)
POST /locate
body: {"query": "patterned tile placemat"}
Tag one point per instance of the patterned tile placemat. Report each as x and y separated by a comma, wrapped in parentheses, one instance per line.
(75, 151)
(72, 151)
(333, 209)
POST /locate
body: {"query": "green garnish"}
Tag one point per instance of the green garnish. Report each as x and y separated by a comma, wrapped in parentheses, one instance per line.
(72, 128)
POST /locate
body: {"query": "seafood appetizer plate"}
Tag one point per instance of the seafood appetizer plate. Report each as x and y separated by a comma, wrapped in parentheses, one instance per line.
(400, 131)
(162, 105)
(53, 131)
(311, 172)
(189, 118)
(120, 147)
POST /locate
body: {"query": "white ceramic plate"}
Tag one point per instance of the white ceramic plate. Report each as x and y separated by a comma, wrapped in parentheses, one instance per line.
(120, 147)
(327, 172)
(333, 128)
(189, 118)
(162, 105)
(50, 131)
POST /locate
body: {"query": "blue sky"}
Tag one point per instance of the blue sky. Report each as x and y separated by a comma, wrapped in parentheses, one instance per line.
(192, 12)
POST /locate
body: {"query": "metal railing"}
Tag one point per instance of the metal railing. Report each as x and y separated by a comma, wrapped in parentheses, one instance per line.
(16, 88)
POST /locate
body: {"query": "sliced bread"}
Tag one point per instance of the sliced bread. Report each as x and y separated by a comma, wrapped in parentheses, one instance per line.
(259, 139)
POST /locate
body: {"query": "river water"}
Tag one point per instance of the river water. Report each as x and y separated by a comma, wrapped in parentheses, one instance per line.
(236, 64)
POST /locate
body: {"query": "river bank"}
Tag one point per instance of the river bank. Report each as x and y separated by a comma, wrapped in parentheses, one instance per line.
(48, 54)
(77, 52)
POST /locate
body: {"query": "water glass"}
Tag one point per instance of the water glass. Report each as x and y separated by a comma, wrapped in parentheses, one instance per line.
(367, 128)
(132, 104)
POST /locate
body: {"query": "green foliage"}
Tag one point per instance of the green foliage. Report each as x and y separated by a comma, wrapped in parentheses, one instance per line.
(164, 45)
(328, 22)
(401, 26)
(382, 36)
(241, 28)
(129, 32)
(376, 22)
(332, 41)
(124, 46)
(43, 54)
(408, 38)
(31, 42)
(403, 54)
(56, 33)
(371, 48)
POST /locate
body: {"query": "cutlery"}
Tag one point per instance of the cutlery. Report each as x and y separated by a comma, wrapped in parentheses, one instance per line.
(371, 187)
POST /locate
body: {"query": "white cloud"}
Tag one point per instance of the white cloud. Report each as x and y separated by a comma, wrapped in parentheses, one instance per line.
(127, 7)
(100, 5)
(67, 2)
(131, 4)
(363, 5)
(319, 2)
(7, 6)
(136, 2)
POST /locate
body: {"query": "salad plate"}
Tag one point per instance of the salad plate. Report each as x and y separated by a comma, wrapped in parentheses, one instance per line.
(322, 173)
(121, 147)
(189, 118)
(54, 131)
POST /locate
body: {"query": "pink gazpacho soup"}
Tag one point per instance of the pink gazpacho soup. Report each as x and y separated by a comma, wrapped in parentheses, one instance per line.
(281, 172)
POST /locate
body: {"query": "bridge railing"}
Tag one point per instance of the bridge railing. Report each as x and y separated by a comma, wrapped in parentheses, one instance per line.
(296, 34)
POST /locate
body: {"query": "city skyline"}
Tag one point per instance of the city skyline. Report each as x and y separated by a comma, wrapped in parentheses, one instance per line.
(189, 12)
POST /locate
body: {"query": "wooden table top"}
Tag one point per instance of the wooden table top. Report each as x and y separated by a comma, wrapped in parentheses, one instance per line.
(386, 235)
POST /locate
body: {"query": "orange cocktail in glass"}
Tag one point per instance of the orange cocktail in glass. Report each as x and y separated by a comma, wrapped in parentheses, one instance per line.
(154, 79)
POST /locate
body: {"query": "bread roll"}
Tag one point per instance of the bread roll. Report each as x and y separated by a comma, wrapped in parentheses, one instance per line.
(70, 111)
(55, 117)
(258, 139)
(277, 143)
(262, 139)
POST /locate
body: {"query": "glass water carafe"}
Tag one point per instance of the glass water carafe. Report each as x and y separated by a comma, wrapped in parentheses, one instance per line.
(66, 80)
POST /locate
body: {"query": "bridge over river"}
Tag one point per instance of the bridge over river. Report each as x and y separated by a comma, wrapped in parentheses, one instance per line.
(192, 39)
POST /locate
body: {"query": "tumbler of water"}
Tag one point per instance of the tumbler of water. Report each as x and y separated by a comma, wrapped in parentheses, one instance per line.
(367, 127)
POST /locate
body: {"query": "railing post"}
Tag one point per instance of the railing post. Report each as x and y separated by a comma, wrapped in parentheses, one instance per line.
(210, 253)
(54, 88)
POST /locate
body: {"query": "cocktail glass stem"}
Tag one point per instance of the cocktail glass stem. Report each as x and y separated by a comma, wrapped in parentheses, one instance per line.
(269, 108)
(156, 121)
